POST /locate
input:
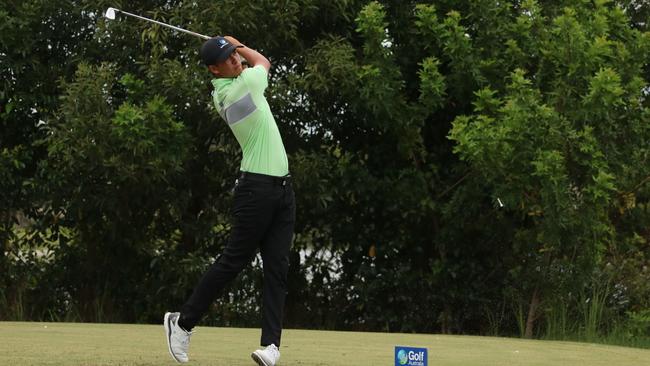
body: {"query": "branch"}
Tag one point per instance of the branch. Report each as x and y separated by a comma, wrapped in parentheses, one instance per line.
(454, 185)
(637, 187)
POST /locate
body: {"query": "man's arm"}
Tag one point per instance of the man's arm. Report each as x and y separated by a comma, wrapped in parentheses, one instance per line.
(253, 57)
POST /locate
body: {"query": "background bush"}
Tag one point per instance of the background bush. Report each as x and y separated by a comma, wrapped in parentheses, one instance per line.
(474, 167)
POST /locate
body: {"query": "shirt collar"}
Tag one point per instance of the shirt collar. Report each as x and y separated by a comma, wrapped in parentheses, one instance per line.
(219, 83)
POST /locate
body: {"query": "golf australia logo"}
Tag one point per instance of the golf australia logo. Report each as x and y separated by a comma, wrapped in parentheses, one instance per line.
(402, 358)
(410, 356)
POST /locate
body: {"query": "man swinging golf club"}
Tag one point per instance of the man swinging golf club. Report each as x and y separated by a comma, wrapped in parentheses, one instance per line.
(263, 210)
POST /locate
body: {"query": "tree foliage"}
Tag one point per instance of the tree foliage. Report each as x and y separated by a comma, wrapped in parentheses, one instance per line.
(460, 166)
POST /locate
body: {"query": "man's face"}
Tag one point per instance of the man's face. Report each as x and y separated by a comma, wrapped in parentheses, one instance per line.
(230, 68)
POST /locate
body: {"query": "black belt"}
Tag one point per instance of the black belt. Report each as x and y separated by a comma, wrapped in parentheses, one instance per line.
(263, 178)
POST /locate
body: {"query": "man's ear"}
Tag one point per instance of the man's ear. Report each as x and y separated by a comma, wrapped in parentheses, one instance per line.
(214, 70)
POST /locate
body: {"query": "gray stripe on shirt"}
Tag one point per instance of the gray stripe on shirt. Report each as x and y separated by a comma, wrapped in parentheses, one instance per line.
(240, 109)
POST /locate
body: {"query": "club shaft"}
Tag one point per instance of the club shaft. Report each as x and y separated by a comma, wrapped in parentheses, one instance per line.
(164, 24)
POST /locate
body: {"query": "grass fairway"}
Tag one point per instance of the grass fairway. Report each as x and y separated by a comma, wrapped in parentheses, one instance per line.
(69, 344)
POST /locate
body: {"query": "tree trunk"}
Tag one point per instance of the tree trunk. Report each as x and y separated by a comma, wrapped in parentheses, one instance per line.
(532, 314)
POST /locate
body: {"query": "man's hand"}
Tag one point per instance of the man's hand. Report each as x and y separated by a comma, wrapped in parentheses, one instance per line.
(253, 57)
(233, 40)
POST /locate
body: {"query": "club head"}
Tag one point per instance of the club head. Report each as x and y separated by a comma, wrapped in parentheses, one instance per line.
(110, 13)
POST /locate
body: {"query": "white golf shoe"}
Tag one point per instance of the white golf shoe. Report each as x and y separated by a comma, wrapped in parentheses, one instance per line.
(178, 340)
(268, 356)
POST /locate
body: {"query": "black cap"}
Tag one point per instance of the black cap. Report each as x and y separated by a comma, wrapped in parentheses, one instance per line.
(216, 50)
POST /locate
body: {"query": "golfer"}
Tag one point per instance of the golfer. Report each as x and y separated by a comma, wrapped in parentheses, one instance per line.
(263, 209)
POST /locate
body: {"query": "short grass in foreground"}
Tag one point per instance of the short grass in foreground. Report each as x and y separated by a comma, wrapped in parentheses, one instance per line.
(75, 344)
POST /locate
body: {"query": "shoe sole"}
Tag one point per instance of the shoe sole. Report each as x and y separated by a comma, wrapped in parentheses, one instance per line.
(258, 359)
(168, 335)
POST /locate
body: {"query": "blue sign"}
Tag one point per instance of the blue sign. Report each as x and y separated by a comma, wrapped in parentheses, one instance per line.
(410, 356)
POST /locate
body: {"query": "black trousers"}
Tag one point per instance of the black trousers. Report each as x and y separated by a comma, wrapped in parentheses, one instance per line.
(264, 213)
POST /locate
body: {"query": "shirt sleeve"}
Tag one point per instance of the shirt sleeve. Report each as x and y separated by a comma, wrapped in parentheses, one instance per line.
(256, 78)
(218, 106)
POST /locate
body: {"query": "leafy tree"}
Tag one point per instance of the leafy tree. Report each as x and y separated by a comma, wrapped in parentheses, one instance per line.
(35, 49)
(558, 142)
(408, 125)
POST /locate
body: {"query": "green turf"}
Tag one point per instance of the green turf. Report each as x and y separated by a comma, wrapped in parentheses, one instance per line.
(68, 344)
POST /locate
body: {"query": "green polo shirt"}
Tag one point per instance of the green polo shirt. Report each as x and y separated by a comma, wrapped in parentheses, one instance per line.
(241, 103)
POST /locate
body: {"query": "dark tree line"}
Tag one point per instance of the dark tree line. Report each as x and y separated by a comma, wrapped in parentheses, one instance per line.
(477, 167)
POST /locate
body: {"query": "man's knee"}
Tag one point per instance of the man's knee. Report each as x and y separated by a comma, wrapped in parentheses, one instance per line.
(233, 263)
(277, 265)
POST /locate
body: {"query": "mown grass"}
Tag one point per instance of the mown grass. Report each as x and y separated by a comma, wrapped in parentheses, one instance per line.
(76, 344)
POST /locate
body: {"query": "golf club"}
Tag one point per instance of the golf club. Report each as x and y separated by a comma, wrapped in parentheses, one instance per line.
(110, 14)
